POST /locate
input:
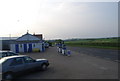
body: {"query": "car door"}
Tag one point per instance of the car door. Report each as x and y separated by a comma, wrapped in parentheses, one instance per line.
(30, 63)
(17, 65)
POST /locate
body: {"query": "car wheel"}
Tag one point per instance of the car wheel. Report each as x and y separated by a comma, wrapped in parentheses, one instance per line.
(43, 67)
(8, 76)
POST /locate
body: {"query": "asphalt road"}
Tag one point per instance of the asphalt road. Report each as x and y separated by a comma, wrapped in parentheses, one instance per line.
(102, 53)
(78, 66)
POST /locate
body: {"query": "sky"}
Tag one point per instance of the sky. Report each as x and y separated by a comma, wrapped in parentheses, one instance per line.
(59, 19)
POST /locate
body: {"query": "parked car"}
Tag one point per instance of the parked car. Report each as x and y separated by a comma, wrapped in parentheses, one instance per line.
(7, 53)
(46, 45)
(13, 65)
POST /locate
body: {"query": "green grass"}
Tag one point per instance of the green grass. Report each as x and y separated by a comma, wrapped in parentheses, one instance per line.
(109, 43)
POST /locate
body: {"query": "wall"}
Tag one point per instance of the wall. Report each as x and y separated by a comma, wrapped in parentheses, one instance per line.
(21, 47)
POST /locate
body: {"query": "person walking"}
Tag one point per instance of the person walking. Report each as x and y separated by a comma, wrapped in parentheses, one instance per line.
(64, 49)
(60, 48)
(57, 47)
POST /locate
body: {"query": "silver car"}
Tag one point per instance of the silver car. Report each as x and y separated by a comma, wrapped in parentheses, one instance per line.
(13, 65)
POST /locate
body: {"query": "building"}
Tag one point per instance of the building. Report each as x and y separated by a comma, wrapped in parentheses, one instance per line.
(6, 44)
(39, 36)
(28, 43)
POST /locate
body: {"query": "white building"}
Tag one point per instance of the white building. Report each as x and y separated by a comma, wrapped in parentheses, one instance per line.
(28, 43)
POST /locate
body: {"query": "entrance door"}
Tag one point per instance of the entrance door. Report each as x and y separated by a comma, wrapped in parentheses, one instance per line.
(17, 48)
(30, 48)
(43, 48)
(25, 47)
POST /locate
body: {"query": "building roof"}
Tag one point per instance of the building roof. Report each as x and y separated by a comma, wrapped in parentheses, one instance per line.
(39, 36)
(28, 37)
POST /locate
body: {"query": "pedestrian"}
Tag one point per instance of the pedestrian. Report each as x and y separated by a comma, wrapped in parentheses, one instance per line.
(60, 50)
(59, 47)
(64, 49)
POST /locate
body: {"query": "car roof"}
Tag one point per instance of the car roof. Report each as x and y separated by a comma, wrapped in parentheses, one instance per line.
(9, 57)
(5, 51)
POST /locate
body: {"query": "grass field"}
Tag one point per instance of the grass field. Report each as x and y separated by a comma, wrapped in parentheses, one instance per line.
(109, 43)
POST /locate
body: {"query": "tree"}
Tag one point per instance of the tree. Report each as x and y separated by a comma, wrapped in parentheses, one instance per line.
(59, 41)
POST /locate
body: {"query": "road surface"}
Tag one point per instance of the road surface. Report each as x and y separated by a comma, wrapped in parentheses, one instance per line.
(108, 54)
(78, 66)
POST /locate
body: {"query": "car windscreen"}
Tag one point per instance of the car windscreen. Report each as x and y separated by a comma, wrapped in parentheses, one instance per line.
(28, 59)
(4, 54)
(11, 53)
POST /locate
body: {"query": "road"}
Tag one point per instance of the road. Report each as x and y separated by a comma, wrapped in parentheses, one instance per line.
(78, 66)
(101, 53)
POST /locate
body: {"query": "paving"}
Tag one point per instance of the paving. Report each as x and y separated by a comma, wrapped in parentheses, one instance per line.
(77, 66)
(108, 54)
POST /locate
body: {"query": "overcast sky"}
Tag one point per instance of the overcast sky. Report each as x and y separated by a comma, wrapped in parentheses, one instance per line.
(59, 18)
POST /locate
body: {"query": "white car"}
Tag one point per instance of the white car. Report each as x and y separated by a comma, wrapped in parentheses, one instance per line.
(13, 65)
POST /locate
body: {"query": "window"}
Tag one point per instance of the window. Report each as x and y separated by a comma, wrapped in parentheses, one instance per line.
(28, 60)
(4, 54)
(34, 45)
(11, 53)
(21, 45)
(17, 61)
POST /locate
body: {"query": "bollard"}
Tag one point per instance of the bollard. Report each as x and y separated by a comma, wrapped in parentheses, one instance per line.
(68, 52)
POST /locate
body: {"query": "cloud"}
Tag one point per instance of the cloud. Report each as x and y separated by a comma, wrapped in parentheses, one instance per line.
(58, 18)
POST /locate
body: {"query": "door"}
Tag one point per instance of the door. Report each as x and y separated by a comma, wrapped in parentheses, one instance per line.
(30, 48)
(17, 65)
(43, 48)
(17, 48)
(25, 47)
(30, 63)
